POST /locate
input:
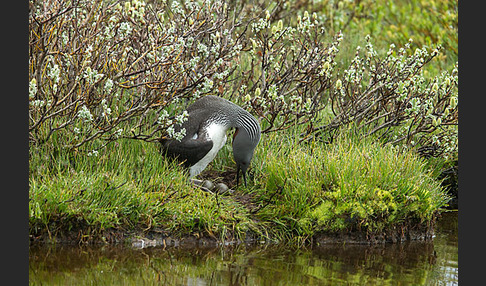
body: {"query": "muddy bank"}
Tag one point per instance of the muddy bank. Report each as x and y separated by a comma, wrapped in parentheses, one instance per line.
(162, 238)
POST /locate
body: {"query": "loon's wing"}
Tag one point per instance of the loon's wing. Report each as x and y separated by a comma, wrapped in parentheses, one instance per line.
(195, 144)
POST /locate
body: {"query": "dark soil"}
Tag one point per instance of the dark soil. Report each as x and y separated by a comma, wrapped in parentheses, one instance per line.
(227, 177)
(449, 179)
(160, 237)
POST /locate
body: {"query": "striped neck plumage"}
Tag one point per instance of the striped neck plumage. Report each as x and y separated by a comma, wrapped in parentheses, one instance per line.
(246, 121)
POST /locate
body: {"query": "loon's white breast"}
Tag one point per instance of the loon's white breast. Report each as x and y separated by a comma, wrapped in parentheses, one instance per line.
(217, 133)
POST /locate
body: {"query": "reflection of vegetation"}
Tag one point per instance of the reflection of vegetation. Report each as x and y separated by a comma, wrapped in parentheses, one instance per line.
(417, 263)
(446, 245)
(342, 124)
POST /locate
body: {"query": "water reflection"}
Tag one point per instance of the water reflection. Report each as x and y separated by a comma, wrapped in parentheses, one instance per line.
(415, 263)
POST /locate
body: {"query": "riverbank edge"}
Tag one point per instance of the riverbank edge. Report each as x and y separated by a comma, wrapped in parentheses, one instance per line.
(139, 238)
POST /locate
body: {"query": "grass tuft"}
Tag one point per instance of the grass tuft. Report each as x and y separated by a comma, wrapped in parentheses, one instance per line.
(295, 191)
(349, 185)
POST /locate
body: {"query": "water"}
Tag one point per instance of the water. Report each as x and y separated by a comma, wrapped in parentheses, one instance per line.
(413, 263)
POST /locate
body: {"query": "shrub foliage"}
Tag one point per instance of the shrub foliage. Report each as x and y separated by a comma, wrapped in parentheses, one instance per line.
(103, 70)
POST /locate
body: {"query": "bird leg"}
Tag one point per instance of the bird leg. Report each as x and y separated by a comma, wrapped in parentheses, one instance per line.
(238, 175)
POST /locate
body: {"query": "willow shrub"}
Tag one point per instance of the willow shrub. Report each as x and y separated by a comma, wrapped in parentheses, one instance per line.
(104, 70)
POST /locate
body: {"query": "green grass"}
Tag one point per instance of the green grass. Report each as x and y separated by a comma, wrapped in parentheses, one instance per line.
(427, 23)
(348, 185)
(128, 186)
(295, 191)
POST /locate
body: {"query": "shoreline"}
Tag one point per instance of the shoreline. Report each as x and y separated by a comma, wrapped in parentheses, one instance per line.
(334, 196)
(139, 238)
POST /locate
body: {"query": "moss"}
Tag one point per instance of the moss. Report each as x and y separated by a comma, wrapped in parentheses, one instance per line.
(349, 185)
